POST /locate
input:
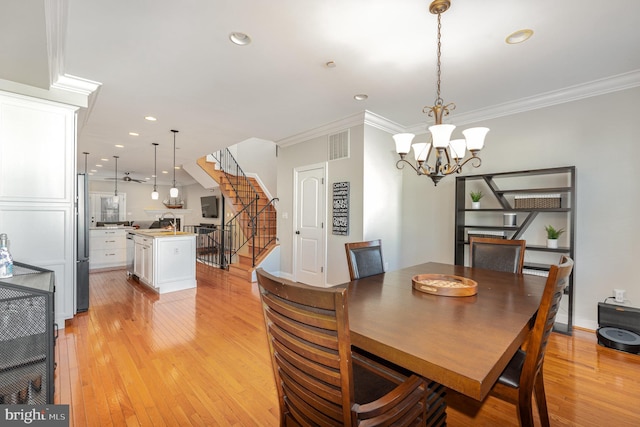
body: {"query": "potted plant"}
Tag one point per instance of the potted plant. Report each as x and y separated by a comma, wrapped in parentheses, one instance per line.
(475, 199)
(552, 236)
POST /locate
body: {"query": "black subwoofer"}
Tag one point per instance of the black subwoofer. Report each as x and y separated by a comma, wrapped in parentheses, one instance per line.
(619, 327)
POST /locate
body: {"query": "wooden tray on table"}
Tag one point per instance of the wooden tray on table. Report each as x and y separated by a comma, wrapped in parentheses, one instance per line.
(445, 285)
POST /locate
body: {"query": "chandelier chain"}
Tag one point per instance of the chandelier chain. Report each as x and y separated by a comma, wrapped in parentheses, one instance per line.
(439, 100)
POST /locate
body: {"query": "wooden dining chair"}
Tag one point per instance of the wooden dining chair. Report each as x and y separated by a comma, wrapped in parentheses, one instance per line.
(497, 254)
(364, 258)
(522, 379)
(319, 381)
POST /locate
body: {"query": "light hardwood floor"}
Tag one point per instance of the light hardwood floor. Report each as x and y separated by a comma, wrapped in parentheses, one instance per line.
(200, 357)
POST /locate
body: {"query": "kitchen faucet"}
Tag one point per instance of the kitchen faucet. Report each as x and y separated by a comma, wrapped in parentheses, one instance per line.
(173, 223)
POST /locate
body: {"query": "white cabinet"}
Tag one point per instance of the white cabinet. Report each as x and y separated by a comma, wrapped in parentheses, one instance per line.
(37, 189)
(143, 259)
(165, 262)
(107, 248)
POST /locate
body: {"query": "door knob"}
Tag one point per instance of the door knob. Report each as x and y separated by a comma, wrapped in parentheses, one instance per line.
(297, 232)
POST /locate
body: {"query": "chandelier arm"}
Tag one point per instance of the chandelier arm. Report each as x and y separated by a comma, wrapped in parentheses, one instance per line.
(421, 169)
(476, 164)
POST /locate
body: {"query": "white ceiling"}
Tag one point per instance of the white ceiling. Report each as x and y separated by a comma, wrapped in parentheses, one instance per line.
(173, 60)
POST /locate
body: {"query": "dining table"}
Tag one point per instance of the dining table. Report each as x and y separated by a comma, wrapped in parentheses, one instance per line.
(461, 342)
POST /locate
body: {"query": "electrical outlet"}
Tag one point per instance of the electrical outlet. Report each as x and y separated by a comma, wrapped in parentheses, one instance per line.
(619, 294)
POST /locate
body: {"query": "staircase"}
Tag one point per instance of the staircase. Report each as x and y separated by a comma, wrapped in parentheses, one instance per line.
(253, 227)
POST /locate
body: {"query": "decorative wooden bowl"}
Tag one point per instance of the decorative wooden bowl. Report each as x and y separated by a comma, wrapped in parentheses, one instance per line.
(445, 285)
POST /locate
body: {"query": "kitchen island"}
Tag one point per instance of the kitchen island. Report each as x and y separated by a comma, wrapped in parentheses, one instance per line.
(165, 260)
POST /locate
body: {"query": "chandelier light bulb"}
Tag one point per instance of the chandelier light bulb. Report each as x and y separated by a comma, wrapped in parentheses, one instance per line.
(155, 195)
(421, 151)
(475, 137)
(458, 148)
(173, 192)
(403, 142)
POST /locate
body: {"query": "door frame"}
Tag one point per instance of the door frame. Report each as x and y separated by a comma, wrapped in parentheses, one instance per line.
(296, 172)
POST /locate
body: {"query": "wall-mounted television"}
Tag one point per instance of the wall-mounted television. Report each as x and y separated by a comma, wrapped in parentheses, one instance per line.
(209, 206)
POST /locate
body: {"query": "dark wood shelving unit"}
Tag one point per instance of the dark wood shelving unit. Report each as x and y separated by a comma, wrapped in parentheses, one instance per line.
(500, 191)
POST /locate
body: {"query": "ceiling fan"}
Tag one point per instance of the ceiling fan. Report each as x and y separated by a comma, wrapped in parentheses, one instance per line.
(127, 178)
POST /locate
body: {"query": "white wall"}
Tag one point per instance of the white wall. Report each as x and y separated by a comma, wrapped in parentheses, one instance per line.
(315, 151)
(257, 157)
(138, 196)
(599, 136)
(382, 196)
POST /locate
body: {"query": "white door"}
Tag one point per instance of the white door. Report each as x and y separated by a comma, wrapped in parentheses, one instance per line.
(309, 237)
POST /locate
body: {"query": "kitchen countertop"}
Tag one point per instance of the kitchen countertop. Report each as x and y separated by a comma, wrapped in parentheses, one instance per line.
(113, 227)
(160, 232)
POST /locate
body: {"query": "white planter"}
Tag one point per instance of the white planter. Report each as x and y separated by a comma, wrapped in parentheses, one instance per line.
(475, 205)
(552, 243)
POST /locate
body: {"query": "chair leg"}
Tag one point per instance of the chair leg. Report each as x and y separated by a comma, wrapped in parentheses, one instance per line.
(525, 409)
(541, 399)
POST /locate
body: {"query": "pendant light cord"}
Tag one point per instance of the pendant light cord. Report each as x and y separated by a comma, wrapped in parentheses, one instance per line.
(155, 165)
(174, 157)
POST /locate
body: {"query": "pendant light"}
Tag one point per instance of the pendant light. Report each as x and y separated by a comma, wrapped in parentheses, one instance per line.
(154, 194)
(86, 156)
(115, 193)
(173, 192)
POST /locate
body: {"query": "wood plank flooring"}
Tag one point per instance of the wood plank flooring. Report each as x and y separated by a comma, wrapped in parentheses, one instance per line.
(200, 357)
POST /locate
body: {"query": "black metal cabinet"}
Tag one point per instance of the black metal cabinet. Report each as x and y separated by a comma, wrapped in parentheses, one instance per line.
(505, 194)
(27, 336)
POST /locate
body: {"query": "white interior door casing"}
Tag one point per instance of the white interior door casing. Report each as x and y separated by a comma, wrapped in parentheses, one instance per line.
(309, 225)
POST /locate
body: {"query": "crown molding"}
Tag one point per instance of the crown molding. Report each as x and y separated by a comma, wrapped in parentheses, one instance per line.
(572, 93)
(569, 94)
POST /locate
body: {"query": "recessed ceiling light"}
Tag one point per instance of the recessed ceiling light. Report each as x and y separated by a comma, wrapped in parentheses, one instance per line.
(165, 171)
(241, 39)
(105, 160)
(360, 97)
(99, 165)
(134, 134)
(330, 64)
(150, 118)
(119, 146)
(519, 36)
(93, 170)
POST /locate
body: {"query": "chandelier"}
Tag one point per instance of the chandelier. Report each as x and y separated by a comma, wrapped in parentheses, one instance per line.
(449, 154)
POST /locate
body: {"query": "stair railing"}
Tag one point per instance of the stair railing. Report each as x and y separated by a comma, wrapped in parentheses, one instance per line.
(251, 224)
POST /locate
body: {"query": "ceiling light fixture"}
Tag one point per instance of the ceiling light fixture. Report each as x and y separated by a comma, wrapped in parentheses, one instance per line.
(173, 192)
(150, 118)
(441, 133)
(361, 97)
(115, 180)
(154, 194)
(241, 39)
(519, 36)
